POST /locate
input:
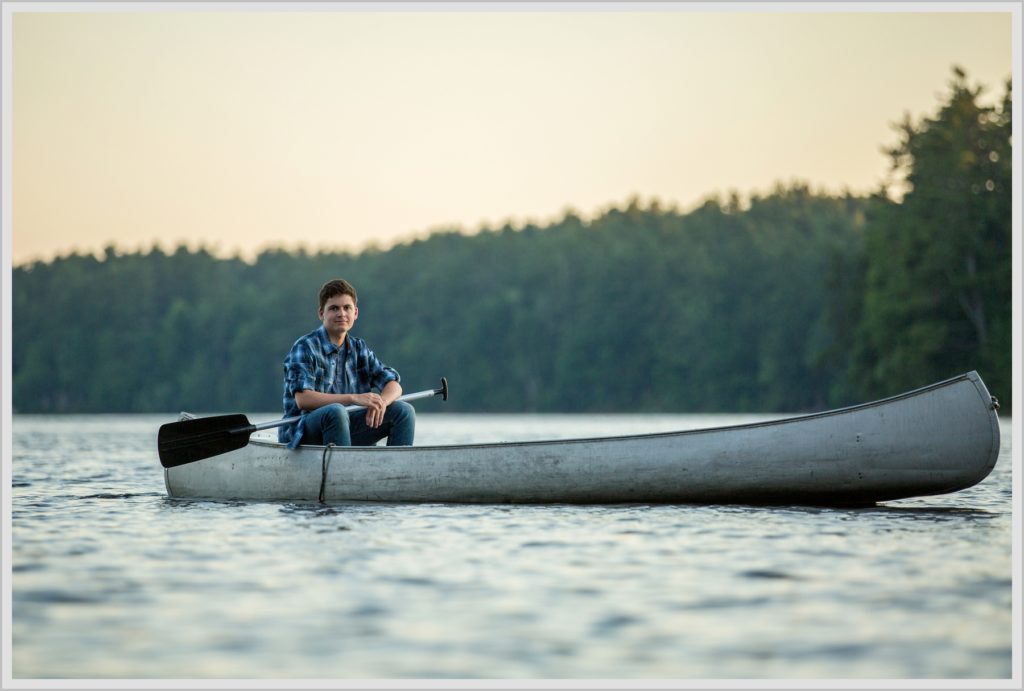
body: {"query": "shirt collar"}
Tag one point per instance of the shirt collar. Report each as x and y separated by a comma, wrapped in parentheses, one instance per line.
(325, 341)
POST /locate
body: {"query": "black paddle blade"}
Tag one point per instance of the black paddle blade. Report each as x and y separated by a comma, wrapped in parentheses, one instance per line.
(193, 440)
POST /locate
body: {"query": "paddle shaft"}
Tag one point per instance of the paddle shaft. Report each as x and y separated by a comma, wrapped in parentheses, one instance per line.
(350, 408)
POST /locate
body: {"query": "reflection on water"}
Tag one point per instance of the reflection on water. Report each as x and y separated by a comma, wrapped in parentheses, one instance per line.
(113, 579)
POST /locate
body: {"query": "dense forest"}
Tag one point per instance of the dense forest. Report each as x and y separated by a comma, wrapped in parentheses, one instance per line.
(792, 300)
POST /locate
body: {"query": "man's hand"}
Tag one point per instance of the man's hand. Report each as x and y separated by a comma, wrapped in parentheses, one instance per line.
(375, 407)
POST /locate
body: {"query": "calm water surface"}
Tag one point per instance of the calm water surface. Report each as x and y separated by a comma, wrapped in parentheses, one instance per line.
(112, 579)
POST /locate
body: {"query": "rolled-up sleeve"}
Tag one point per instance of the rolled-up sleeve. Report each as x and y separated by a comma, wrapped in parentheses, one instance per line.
(377, 373)
(299, 374)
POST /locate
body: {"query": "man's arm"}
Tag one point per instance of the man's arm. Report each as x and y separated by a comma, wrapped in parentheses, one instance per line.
(309, 399)
(390, 394)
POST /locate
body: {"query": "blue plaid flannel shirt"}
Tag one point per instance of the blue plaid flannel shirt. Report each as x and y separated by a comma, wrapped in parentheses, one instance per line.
(316, 364)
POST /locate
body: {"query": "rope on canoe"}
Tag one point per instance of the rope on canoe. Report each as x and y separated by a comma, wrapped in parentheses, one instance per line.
(325, 463)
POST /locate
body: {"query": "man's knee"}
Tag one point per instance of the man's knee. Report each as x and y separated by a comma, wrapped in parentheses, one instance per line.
(403, 411)
(335, 415)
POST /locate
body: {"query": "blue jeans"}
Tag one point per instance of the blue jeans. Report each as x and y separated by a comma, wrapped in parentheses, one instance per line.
(332, 424)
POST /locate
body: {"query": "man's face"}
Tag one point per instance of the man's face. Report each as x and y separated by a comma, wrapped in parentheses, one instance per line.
(338, 315)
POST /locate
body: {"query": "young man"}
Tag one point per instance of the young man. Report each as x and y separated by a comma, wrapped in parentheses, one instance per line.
(329, 369)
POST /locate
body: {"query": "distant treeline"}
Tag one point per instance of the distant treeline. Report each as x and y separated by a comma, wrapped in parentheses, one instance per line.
(792, 301)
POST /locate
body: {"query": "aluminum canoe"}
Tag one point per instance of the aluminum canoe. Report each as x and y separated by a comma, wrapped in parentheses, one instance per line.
(934, 440)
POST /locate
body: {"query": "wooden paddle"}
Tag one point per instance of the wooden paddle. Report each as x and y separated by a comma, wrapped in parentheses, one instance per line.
(187, 441)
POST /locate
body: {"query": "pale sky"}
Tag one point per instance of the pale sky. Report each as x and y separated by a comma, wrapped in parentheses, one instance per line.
(340, 129)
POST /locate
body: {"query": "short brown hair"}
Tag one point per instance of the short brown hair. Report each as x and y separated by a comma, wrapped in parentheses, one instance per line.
(335, 288)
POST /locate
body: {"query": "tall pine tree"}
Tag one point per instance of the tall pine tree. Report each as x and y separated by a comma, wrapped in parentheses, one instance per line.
(937, 300)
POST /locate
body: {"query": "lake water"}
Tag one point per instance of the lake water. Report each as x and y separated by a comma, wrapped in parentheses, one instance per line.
(112, 579)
